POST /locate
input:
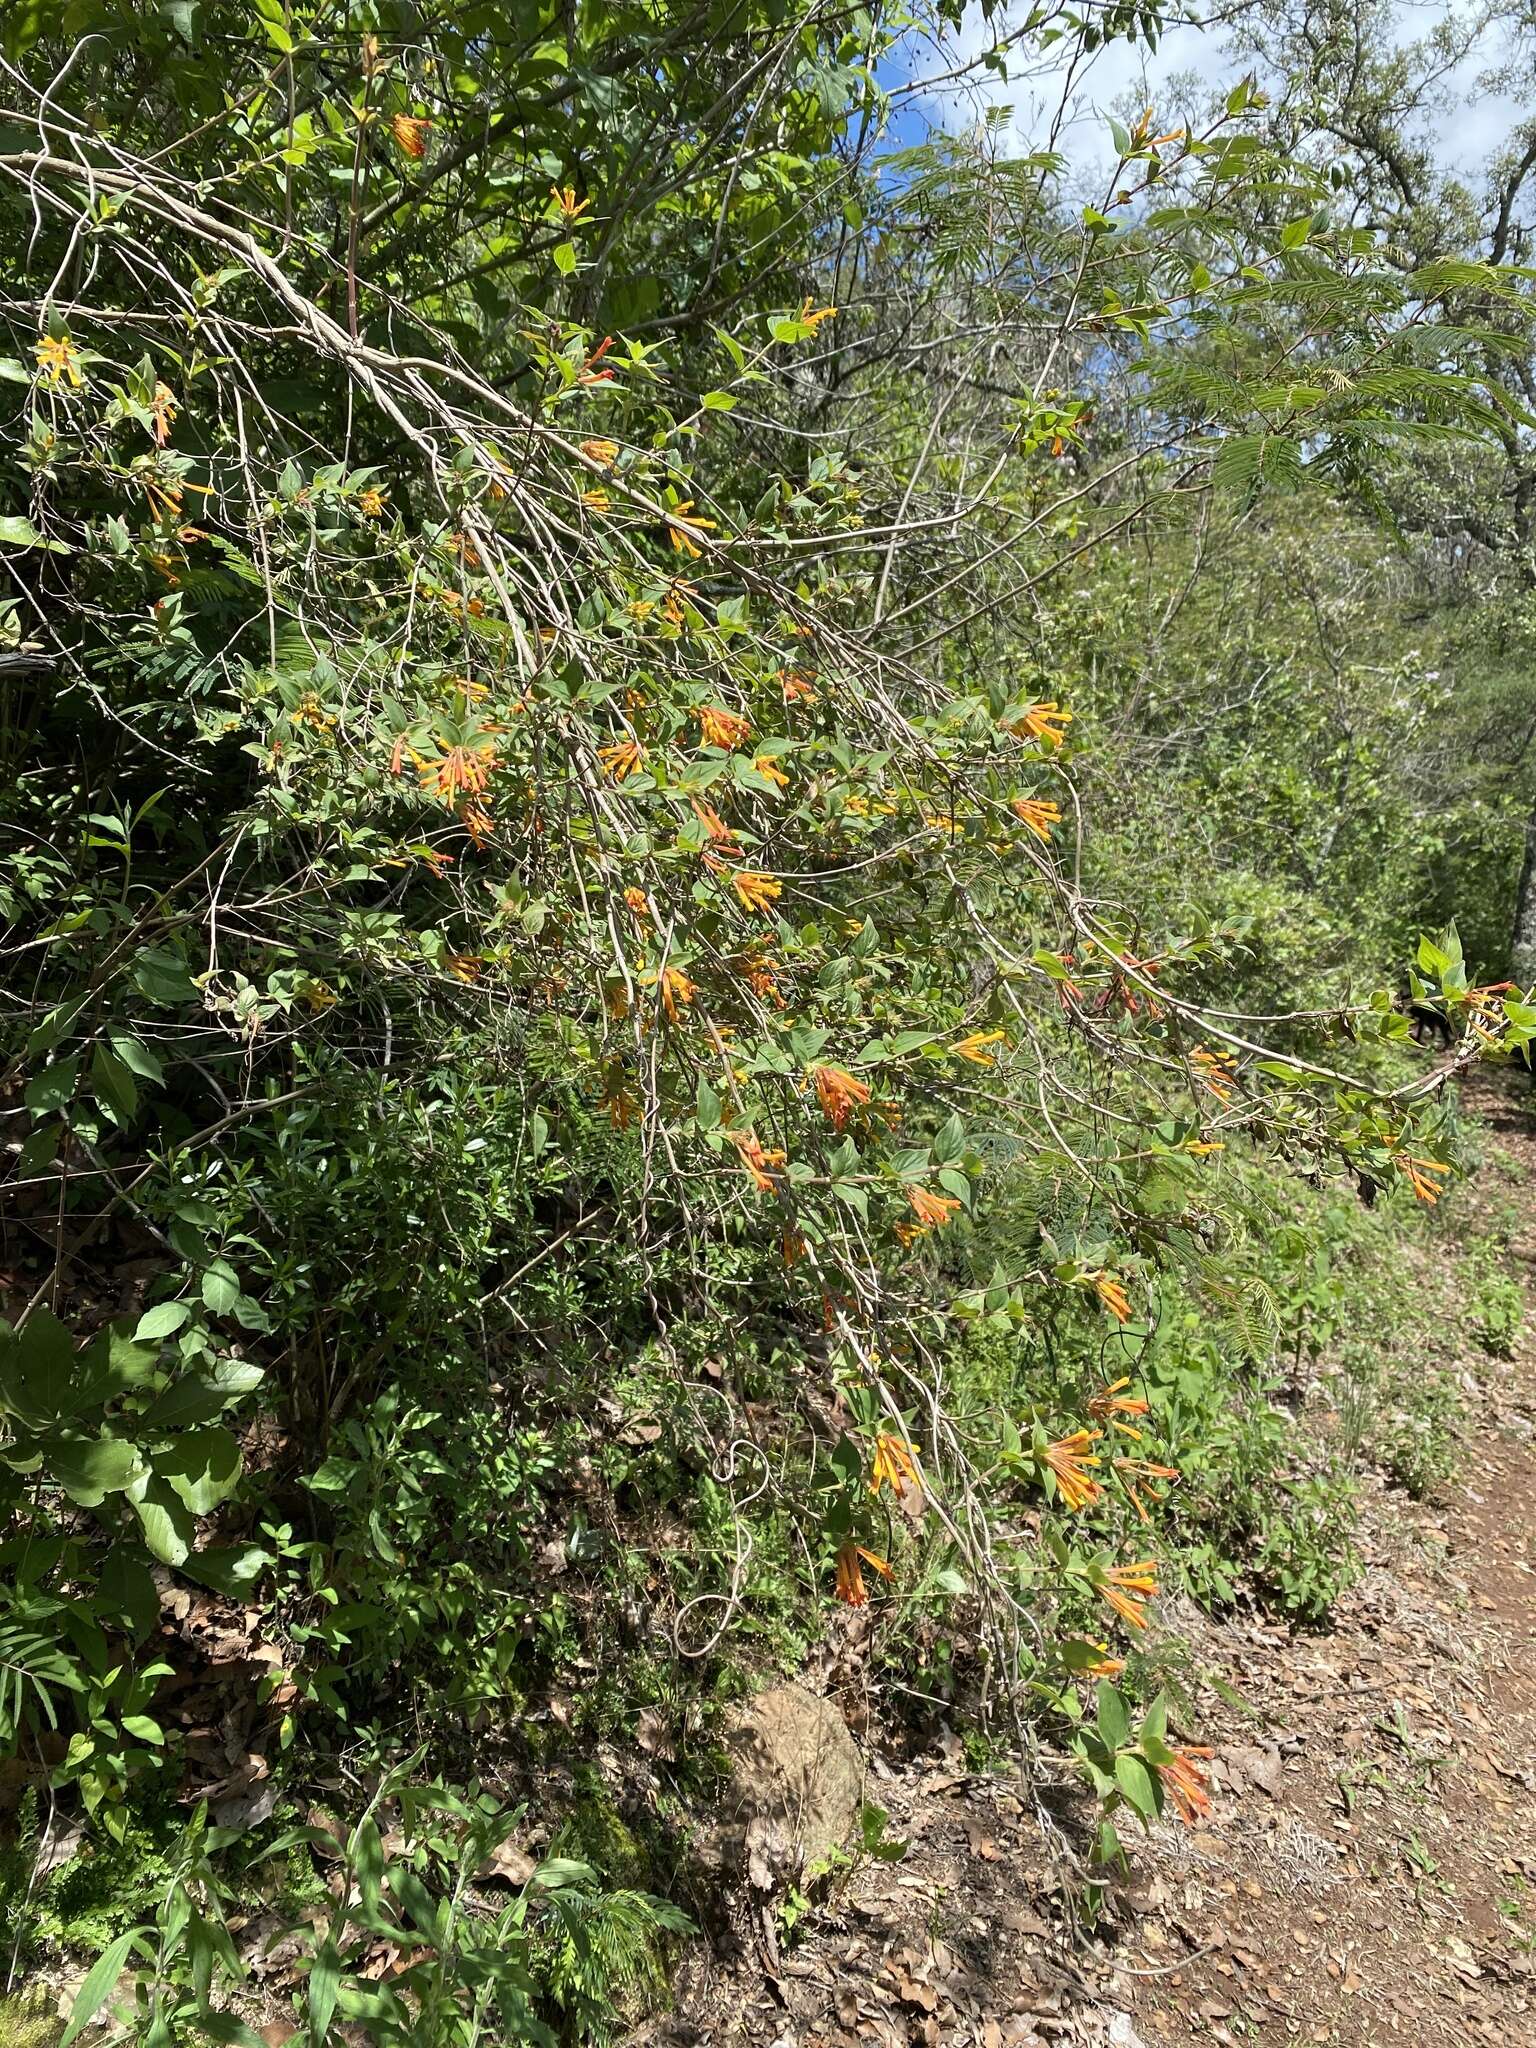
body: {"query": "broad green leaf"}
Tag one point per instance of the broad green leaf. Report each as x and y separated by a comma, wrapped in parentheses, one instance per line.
(89, 1468)
(47, 1092)
(1135, 1780)
(165, 1521)
(201, 1467)
(163, 1320)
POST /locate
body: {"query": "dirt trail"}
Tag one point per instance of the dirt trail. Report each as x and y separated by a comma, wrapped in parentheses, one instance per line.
(1368, 1871)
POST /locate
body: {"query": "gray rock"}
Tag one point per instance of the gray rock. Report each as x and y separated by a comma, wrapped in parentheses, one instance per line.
(797, 1782)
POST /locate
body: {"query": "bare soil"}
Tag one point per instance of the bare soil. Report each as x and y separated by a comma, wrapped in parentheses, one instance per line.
(1367, 1874)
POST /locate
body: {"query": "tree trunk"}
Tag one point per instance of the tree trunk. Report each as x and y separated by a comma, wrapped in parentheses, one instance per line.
(1522, 941)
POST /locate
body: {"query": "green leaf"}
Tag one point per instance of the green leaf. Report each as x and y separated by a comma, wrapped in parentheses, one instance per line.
(163, 1320)
(113, 1085)
(37, 1369)
(162, 976)
(100, 1982)
(565, 258)
(202, 1468)
(38, 1150)
(166, 1524)
(48, 1091)
(1135, 1780)
(1114, 1717)
(220, 1287)
(324, 1984)
(125, 1587)
(89, 1468)
(230, 1569)
(138, 1058)
(184, 1404)
(948, 1141)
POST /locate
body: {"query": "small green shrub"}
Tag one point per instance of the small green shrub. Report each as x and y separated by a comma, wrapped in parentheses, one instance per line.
(1496, 1299)
(1416, 1442)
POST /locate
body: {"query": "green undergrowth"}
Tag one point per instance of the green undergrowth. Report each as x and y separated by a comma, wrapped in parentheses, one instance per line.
(560, 1573)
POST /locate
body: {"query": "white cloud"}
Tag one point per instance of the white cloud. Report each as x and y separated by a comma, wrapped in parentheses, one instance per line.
(1047, 105)
(1054, 101)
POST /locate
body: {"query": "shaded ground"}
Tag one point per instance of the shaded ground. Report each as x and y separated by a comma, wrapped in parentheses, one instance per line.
(1367, 1874)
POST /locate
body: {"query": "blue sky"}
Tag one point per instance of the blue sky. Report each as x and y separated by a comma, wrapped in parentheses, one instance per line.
(1472, 127)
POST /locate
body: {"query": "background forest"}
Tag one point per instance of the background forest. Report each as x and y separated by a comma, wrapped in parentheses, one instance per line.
(718, 816)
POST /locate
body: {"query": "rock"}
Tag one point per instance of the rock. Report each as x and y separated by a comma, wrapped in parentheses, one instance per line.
(797, 1781)
(1121, 2032)
(1248, 1765)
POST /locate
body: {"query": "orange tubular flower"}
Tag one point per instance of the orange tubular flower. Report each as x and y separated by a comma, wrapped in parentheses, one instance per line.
(622, 758)
(164, 499)
(850, 1580)
(371, 502)
(1187, 1787)
(770, 770)
(1045, 722)
(721, 728)
(621, 1106)
(1104, 1666)
(975, 1047)
(1128, 1587)
(604, 453)
(716, 829)
(635, 901)
(1110, 1404)
(895, 1465)
(458, 771)
(1420, 1174)
(758, 1161)
(477, 821)
(798, 689)
(1038, 814)
(1137, 1473)
(677, 992)
(839, 1094)
(813, 318)
(1216, 1070)
(162, 411)
(568, 205)
(59, 361)
(590, 374)
(1111, 1292)
(1069, 1459)
(759, 970)
(410, 134)
(932, 1211)
(685, 529)
(755, 891)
